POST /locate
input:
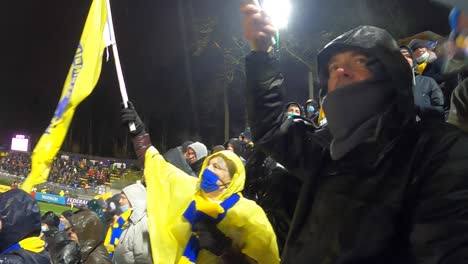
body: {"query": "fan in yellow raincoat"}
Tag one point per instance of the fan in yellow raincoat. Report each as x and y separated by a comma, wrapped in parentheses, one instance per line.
(182, 209)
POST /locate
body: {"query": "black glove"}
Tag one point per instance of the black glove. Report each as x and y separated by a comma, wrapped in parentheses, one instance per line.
(211, 238)
(128, 115)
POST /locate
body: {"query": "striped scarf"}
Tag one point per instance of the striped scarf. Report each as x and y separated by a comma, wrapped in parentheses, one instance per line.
(198, 209)
(115, 231)
(32, 244)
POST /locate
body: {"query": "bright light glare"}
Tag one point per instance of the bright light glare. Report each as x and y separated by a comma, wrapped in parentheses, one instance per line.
(279, 11)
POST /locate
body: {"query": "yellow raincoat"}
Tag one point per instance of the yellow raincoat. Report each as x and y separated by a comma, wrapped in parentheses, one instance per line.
(170, 191)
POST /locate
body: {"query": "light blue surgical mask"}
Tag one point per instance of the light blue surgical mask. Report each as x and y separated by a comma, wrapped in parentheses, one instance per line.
(61, 226)
(208, 181)
(124, 208)
(43, 229)
(310, 109)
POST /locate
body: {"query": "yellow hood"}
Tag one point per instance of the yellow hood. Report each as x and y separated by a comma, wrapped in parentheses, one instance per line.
(170, 191)
(237, 179)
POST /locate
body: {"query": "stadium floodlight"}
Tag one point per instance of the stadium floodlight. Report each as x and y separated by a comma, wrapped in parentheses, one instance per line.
(278, 11)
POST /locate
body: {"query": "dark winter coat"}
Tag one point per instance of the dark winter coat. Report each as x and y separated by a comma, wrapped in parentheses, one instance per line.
(88, 228)
(21, 218)
(197, 165)
(458, 115)
(63, 250)
(270, 185)
(428, 98)
(176, 158)
(401, 199)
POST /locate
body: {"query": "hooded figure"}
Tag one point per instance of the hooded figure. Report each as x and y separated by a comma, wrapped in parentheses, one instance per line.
(375, 186)
(428, 64)
(236, 146)
(200, 151)
(64, 250)
(428, 97)
(50, 223)
(134, 244)
(294, 109)
(87, 227)
(118, 220)
(20, 226)
(176, 157)
(312, 110)
(180, 200)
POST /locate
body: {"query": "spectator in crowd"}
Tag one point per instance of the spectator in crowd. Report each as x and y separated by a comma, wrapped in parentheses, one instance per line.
(428, 64)
(70, 172)
(196, 154)
(134, 244)
(377, 187)
(236, 146)
(203, 220)
(117, 220)
(64, 250)
(217, 148)
(112, 210)
(20, 227)
(86, 229)
(428, 97)
(176, 156)
(49, 227)
(247, 144)
(294, 109)
(312, 110)
(64, 222)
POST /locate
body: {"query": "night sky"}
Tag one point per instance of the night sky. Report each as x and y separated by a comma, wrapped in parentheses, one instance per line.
(40, 37)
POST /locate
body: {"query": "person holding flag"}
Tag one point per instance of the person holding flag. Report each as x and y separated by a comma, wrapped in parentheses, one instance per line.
(204, 220)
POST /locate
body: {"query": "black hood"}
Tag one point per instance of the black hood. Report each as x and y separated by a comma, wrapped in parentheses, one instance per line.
(88, 228)
(50, 219)
(236, 144)
(379, 44)
(20, 216)
(301, 108)
(408, 49)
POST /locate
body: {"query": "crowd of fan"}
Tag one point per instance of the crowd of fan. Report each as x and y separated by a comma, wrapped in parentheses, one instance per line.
(73, 172)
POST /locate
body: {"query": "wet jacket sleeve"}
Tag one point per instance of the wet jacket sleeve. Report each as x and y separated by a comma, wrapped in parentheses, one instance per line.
(458, 115)
(11, 259)
(272, 132)
(440, 219)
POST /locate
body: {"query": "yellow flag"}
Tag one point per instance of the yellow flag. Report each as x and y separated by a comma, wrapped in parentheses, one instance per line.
(81, 79)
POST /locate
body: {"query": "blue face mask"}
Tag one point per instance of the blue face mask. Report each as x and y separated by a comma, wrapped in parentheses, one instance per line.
(208, 181)
(43, 229)
(124, 208)
(61, 226)
(310, 109)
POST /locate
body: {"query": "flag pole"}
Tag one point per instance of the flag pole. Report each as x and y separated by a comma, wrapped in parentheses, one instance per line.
(118, 67)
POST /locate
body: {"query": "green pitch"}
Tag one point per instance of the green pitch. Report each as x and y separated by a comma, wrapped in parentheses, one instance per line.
(57, 209)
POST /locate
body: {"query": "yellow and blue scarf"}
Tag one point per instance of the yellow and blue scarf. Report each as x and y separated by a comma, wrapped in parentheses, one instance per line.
(32, 244)
(198, 209)
(115, 231)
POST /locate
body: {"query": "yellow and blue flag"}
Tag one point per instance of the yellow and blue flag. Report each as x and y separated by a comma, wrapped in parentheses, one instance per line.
(81, 79)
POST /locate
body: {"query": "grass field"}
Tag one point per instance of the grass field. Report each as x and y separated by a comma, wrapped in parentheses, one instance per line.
(57, 209)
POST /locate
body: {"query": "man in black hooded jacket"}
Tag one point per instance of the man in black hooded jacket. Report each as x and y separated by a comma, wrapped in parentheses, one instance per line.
(376, 186)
